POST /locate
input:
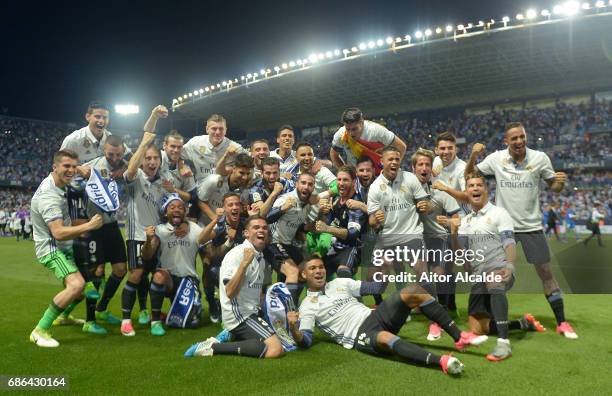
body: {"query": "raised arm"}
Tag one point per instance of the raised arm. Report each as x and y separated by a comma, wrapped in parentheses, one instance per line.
(232, 287)
(158, 112)
(470, 166)
(136, 160)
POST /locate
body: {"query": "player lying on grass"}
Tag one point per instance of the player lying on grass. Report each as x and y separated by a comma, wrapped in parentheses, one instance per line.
(177, 261)
(333, 307)
(240, 286)
(488, 228)
(53, 235)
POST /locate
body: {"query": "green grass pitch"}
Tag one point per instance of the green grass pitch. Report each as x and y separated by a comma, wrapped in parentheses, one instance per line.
(541, 363)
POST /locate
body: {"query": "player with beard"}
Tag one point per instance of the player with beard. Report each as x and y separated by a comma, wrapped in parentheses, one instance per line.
(333, 308)
(434, 231)
(489, 229)
(290, 214)
(345, 225)
(241, 283)
(106, 244)
(265, 191)
(177, 255)
(325, 180)
(518, 171)
(224, 232)
(144, 190)
(53, 235)
(212, 190)
(358, 137)
(205, 151)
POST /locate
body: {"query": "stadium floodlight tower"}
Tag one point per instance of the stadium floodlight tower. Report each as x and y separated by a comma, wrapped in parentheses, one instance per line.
(127, 109)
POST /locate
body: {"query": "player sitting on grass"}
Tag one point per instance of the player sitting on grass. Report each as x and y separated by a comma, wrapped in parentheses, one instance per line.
(53, 235)
(488, 228)
(240, 286)
(177, 261)
(334, 308)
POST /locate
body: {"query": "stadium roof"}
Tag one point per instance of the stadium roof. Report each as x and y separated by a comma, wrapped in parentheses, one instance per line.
(465, 68)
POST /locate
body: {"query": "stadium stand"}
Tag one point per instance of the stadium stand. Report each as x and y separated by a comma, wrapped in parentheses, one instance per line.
(570, 134)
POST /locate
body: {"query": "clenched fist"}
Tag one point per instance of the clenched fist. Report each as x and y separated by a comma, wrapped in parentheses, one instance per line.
(478, 148)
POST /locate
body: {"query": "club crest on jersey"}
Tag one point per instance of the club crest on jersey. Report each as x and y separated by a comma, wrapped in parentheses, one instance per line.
(219, 183)
(383, 187)
(403, 189)
(202, 150)
(256, 197)
(314, 299)
(86, 144)
(363, 339)
(104, 173)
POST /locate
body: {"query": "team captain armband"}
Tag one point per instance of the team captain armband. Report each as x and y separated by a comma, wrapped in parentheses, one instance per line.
(507, 238)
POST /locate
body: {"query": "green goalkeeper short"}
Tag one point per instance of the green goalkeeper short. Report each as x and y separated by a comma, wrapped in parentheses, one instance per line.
(61, 263)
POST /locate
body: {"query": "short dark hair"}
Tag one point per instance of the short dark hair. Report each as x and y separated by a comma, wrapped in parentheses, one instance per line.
(229, 195)
(350, 115)
(114, 140)
(259, 141)
(283, 127)
(253, 218)
(302, 144)
(94, 105)
(512, 125)
(309, 258)
(446, 136)
(57, 157)
(350, 169)
(306, 174)
(270, 161)
(174, 134)
(365, 158)
(244, 160)
(389, 148)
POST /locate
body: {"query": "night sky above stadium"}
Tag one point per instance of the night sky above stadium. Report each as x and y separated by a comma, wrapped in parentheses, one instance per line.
(56, 57)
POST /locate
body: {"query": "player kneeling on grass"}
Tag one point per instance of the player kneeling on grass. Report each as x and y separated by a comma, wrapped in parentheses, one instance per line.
(488, 229)
(177, 267)
(240, 285)
(53, 235)
(334, 308)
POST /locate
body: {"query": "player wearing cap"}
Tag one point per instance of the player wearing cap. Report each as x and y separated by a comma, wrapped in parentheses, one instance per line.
(358, 137)
(518, 171)
(242, 277)
(53, 235)
(333, 308)
(177, 255)
(488, 229)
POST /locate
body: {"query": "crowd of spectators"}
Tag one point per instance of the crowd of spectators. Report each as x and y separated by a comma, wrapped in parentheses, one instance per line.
(567, 132)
